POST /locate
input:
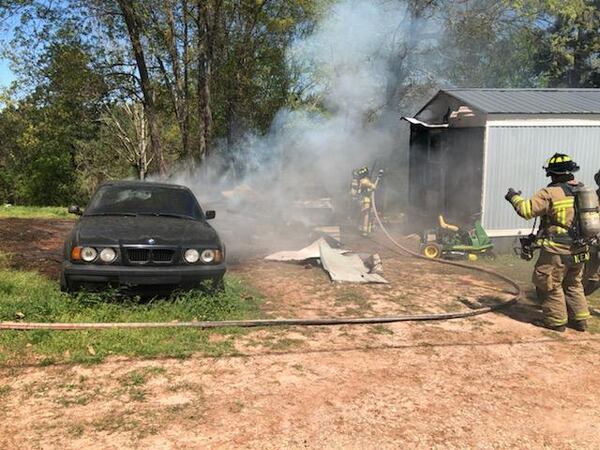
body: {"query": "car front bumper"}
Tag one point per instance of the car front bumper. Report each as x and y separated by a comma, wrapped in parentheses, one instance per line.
(76, 275)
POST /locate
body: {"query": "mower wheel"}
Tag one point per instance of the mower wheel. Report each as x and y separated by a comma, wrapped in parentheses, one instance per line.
(490, 255)
(431, 250)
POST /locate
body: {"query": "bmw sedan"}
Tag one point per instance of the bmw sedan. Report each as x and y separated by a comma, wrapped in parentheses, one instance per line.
(142, 234)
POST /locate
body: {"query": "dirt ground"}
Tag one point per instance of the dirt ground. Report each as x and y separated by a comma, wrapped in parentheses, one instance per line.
(488, 382)
(34, 244)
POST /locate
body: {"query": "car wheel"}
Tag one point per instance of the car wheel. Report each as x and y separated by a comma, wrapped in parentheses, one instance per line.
(64, 285)
(218, 285)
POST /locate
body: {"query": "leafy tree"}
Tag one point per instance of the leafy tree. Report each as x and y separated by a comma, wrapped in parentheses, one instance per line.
(489, 45)
(58, 115)
(569, 54)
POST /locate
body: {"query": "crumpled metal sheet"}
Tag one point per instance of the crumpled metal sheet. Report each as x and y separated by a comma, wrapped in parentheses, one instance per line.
(349, 268)
(310, 252)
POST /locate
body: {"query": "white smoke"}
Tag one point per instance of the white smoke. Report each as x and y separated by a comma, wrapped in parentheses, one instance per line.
(345, 69)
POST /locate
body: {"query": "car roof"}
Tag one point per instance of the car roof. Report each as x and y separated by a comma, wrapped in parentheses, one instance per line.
(139, 183)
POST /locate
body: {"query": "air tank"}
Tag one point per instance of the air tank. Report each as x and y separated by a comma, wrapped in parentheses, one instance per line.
(589, 215)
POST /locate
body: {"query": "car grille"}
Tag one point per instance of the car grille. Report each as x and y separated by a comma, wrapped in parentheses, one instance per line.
(138, 255)
(150, 255)
(162, 255)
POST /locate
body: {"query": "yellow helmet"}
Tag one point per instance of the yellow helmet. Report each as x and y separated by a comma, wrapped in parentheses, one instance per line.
(560, 164)
(362, 172)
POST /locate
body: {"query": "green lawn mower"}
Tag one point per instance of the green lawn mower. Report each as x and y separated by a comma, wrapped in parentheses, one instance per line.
(452, 242)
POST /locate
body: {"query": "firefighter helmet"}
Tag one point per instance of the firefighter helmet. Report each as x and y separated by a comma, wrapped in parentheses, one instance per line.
(362, 172)
(560, 164)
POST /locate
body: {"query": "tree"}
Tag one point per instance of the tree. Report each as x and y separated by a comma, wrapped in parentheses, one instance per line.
(60, 114)
(128, 125)
(569, 54)
(131, 15)
(488, 45)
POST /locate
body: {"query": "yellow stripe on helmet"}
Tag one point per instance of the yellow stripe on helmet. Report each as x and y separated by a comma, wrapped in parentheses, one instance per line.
(559, 159)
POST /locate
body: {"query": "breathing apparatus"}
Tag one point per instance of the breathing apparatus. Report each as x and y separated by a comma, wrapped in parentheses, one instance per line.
(585, 228)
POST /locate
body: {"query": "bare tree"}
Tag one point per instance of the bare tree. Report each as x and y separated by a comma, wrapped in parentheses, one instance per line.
(130, 128)
(207, 17)
(131, 15)
(170, 22)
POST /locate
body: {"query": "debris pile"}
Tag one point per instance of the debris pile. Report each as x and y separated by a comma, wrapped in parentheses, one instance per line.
(341, 264)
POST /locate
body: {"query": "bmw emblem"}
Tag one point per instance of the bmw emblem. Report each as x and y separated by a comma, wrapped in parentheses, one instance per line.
(151, 241)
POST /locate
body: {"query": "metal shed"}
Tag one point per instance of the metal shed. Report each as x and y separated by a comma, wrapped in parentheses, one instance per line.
(467, 146)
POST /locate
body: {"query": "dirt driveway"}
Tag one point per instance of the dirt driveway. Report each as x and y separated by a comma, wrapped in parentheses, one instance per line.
(487, 382)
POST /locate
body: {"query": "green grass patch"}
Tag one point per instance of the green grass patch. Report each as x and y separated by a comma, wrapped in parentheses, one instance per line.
(30, 297)
(5, 390)
(5, 259)
(512, 266)
(30, 212)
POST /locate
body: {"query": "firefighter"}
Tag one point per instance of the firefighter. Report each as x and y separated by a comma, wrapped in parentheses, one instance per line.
(592, 268)
(559, 269)
(355, 185)
(365, 189)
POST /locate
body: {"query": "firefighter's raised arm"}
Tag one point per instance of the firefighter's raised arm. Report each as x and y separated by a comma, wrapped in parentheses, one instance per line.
(537, 206)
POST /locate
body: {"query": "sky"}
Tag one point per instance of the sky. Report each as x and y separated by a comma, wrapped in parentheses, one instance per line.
(6, 34)
(6, 75)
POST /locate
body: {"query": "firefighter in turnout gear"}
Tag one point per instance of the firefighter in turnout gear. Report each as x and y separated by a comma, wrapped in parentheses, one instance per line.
(355, 185)
(364, 189)
(591, 279)
(559, 269)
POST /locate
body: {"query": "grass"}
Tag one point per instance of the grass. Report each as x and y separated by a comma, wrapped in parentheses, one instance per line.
(33, 212)
(30, 297)
(5, 390)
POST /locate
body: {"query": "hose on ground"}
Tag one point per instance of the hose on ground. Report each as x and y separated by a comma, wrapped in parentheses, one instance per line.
(295, 322)
(518, 291)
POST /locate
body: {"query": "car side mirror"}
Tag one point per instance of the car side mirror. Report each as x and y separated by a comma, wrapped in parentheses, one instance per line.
(75, 209)
(210, 214)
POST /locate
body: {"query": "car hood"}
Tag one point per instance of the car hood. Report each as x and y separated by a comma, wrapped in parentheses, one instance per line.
(105, 230)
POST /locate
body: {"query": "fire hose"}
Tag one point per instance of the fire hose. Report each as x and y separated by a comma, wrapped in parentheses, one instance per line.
(299, 322)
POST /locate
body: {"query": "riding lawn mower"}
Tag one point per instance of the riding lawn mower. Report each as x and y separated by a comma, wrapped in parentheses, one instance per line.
(452, 242)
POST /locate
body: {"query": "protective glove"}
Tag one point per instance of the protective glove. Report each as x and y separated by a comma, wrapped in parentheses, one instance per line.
(511, 193)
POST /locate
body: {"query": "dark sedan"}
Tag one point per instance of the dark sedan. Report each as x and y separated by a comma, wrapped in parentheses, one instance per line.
(141, 234)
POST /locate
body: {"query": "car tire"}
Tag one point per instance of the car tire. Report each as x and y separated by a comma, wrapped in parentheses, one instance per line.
(64, 284)
(218, 285)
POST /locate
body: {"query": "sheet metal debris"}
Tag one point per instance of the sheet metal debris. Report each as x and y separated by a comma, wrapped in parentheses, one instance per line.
(310, 252)
(336, 261)
(348, 268)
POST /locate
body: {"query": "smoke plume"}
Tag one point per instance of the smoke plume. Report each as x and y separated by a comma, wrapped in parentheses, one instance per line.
(361, 54)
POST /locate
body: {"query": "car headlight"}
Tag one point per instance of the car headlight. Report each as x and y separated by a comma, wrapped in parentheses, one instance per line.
(191, 256)
(207, 256)
(88, 254)
(108, 255)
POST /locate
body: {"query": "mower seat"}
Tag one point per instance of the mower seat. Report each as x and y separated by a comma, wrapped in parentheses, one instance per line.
(447, 226)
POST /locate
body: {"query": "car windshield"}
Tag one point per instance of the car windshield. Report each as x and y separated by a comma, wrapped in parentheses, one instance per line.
(144, 200)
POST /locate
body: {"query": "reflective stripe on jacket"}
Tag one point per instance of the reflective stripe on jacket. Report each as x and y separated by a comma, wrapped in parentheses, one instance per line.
(557, 211)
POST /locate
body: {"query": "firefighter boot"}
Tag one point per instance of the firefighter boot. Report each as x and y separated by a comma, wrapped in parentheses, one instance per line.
(579, 325)
(543, 324)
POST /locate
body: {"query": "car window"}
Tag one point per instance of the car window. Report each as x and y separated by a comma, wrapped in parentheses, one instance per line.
(151, 200)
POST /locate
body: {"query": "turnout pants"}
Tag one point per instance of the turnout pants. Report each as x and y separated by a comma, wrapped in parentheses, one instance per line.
(366, 221)
(558, 280)
(591, 279)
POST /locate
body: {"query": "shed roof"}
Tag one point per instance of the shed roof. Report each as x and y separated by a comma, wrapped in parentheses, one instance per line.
(529, 101)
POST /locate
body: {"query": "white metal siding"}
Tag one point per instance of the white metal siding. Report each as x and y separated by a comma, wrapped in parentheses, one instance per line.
(515, 156)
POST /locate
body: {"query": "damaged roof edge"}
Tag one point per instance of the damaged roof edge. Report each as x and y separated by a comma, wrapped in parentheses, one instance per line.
(450, 98)
(425, 124)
